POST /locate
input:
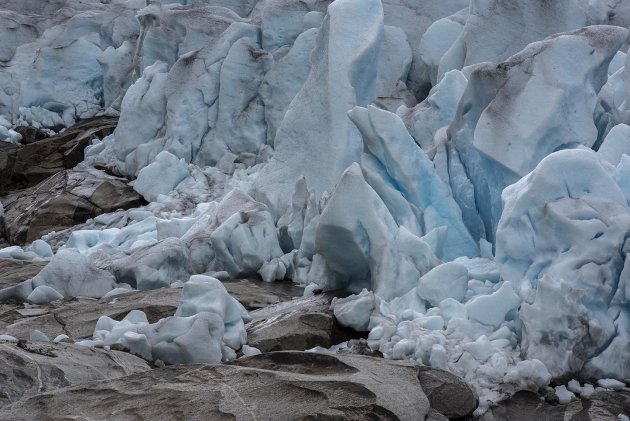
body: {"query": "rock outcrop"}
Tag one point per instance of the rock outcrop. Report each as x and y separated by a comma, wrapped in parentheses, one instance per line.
(274, 386)
(29, 368)
(38, 157)
(300, 324)
(63, 200)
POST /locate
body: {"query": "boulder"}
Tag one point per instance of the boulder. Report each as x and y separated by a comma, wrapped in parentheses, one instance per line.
(448, 394)
(278, 386)
(8, 154)
(30, 134)
(300, 324)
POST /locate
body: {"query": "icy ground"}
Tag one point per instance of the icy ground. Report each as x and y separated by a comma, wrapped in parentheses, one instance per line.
(462, 166)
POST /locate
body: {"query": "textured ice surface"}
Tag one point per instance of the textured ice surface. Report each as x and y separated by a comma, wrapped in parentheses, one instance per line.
(152, 266)
(161, 176)
(366, 247)
(500, 98)
(42, 42)
(449, 280)
(572, 276)
(564, 396)
(43, 294)
(411, 171)
(616, 143)
(315, 128)
(460, 165)
(244, 242)
(494, 30)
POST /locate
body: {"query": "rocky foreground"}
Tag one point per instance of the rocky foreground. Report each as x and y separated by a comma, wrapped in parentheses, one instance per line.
(42, 379)
(277, 385)
(60, 380)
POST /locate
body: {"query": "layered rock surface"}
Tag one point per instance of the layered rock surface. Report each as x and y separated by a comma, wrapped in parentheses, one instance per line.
(30, 368)
(284, 385)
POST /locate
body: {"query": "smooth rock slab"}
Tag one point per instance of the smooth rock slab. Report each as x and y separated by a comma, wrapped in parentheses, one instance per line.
(29, 368)
(275, 386)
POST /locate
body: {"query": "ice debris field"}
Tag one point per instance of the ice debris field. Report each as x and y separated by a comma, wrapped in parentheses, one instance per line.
(461, 166)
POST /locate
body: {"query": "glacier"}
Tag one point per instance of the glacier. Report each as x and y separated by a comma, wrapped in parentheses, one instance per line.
(461, 169)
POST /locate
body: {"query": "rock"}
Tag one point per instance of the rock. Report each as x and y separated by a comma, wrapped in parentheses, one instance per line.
(20, 327)
(448, 394)
(62, 201)
(300, 324)
(30, 134)
(119, 347)
(360, 347)
(274, 386)
(604, 403)
(525, 406)
(551, 397)
(77, 317)
(433, 415)
(8, 155)
(255, 294)
(39, 159)
(28, 368)
(14, 271)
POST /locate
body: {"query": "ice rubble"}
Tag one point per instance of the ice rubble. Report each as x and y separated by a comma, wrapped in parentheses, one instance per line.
(207, 327)
(285, 138)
